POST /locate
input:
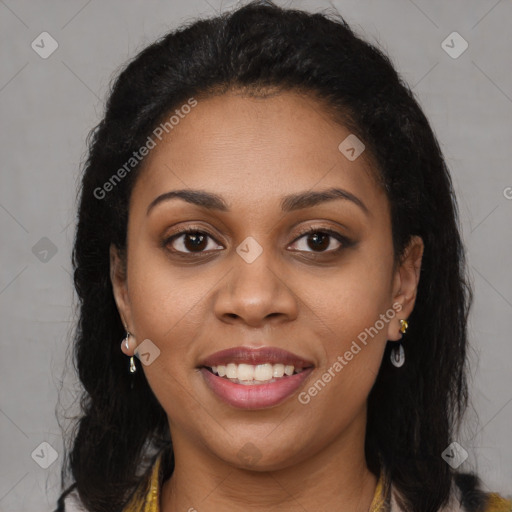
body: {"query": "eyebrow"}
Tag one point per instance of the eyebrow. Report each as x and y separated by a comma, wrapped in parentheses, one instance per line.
(289, 203)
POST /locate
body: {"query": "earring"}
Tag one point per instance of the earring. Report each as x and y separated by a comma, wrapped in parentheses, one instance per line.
(397, 353)
(133, 368)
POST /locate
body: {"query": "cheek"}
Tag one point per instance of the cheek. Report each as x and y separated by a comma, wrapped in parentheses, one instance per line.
(350, 299)
(166, 309)
(353, 304)
(163, 297)
(353, 355)
(167, 306)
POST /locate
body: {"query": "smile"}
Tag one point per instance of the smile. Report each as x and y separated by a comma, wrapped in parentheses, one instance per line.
(254, 378)
(249, 374)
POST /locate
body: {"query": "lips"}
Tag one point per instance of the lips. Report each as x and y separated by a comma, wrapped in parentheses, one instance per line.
(252, 394)
(239, 355)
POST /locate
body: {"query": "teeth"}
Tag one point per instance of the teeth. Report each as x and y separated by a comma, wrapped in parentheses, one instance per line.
(278, 370)
(232, 371)
(262, 372)
(246, 372)
(249, 374)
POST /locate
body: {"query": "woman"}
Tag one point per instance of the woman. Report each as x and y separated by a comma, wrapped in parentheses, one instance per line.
(268, 227)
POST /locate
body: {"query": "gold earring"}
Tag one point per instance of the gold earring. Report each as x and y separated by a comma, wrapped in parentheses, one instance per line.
(397, 355)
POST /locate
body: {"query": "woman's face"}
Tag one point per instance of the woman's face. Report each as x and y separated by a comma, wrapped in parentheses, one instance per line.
(250, 278)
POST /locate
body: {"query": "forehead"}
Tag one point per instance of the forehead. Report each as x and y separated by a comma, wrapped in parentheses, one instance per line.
(253, 151)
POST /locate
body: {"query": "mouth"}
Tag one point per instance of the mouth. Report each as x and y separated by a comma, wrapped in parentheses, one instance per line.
(254, 378)
(254, 375)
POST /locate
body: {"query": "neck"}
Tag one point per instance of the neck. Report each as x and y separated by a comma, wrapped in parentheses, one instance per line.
(335, 478)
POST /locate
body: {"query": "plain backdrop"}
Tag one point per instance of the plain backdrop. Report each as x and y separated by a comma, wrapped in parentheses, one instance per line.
(48, 106)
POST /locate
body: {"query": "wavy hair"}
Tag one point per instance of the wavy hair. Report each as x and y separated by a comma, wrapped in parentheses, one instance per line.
(260, 47)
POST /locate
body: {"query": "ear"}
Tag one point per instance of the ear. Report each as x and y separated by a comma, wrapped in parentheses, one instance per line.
(405, 285)
(120, 289)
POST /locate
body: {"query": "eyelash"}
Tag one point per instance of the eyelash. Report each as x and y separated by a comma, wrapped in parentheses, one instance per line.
(345, 242)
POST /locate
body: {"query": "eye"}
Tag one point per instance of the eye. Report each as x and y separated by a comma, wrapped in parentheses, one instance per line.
(194, 240)
(320, 239)
(189, 240)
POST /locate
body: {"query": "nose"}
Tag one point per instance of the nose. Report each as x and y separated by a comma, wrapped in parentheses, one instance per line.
(256, 293)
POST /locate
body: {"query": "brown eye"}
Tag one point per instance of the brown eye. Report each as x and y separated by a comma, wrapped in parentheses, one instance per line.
(189, 241)
(321, 240)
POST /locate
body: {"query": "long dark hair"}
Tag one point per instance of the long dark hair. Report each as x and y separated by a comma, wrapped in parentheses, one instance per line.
(414, 412)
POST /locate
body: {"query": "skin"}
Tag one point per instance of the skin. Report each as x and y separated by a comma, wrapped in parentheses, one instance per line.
(252, 152)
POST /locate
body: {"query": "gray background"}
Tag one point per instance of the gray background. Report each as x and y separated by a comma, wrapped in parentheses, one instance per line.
(48, 106)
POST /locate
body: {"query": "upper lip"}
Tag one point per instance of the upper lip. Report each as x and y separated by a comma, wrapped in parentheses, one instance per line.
(240, 355)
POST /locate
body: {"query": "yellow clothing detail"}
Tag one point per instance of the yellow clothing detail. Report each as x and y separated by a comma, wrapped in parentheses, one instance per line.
(378, 498)
(150, 502)
(498, 504)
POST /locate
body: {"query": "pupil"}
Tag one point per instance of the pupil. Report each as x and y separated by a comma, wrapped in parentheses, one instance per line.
(197, 238)
(324, 237)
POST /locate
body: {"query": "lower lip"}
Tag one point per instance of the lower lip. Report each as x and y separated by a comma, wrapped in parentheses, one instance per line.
(257, 396)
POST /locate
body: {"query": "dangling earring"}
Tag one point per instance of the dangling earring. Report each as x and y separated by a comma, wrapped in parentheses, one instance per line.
(133, 368)
(397, 353)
